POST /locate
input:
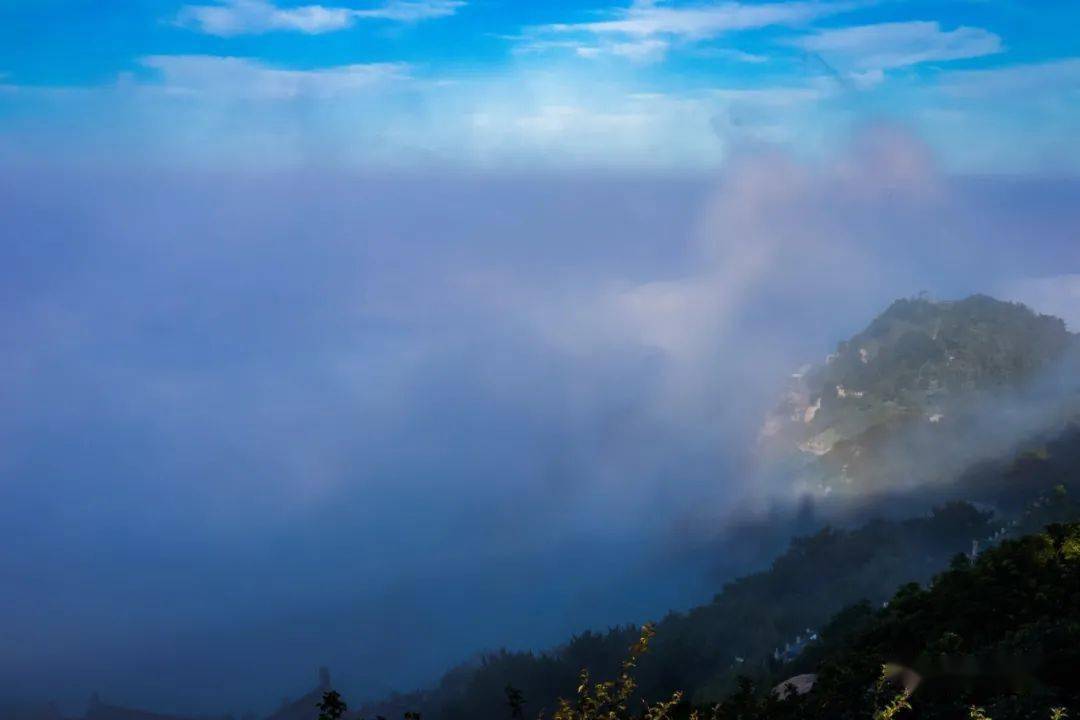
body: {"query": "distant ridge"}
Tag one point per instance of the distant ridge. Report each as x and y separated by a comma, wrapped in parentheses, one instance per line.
(302, 708)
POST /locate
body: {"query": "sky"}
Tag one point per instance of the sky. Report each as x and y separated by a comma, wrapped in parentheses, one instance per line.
(377, 335)
(484, 84)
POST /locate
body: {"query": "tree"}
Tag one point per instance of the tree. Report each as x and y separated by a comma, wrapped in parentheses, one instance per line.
(332, 706)
(516, 701)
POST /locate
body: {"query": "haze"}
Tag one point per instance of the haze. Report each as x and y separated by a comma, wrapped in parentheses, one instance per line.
(343, 344)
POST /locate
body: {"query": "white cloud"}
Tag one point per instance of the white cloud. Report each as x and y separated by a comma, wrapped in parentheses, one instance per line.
(412, 10)
(644, 51)
(869, 48)
(646, 18)
(772, 96)
(647, 50)
(732, 54)
(537, 123)
(247, 17)
(641, 50)
(239, 17)
(1057, 77)
(207, 109)
(245, 78)
(647, 29)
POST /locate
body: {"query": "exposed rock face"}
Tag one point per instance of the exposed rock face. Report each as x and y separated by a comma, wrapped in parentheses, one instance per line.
(921, 367)
(793, 686)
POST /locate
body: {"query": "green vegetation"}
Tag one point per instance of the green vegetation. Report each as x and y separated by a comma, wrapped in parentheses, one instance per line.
(994, 638)
(702, 652)
(905, 400)
(611, 699)
(834, 581)
(1000, 633)
(918, 350)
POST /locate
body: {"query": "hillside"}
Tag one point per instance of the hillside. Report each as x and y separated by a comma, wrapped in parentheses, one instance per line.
(925, 389)
(758, 622)
(993, 637)
(1000, 632)
(703, 651)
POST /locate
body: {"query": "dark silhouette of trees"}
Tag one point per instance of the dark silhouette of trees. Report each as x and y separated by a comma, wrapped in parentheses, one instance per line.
(332, 707)
(515, 701)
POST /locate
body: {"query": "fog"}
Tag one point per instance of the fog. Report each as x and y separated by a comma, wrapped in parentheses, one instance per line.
(255, 423)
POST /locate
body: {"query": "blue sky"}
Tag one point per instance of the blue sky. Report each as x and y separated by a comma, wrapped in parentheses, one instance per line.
(584, 83)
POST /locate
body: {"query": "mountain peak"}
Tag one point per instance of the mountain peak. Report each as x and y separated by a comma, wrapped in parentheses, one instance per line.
(918, 363)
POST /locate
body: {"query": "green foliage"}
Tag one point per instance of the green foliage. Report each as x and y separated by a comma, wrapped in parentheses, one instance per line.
(694, 652)
(889, 701)
(1010, 602)
(999, 637)
(913, 386)
(918, 347)
(611, 699)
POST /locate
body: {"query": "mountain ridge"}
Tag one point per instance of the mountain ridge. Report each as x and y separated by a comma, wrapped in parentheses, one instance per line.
(921, 374)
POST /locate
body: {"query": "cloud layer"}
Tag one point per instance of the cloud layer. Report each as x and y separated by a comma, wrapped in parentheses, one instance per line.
(895, 45)
(645, 31)
(252, 17)
(649, 18)
(241, 78)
